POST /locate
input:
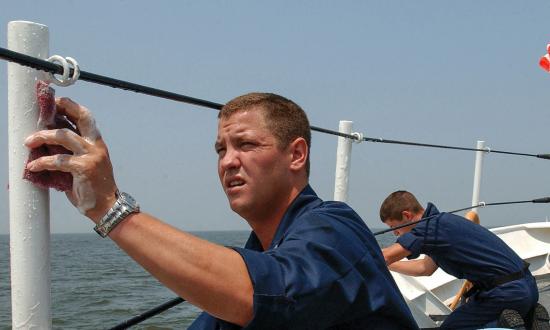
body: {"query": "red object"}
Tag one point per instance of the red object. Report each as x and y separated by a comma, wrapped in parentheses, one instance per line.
(545, 63)
(545, 60)
(46, 102)
(50, 119)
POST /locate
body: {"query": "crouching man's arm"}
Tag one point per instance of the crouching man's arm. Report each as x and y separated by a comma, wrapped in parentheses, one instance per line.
(421, 267)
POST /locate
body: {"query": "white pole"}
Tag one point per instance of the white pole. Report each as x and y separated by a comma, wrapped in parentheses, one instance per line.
(343, 162)
(477, 174)
(29, 205)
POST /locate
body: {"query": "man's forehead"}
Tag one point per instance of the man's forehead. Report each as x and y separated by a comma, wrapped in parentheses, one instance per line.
(241, 124)
(256, 109)
(235, 130)
(243, 120)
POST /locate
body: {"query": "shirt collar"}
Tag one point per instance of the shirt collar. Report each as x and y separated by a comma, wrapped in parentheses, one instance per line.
(430, 211)
(306, 196)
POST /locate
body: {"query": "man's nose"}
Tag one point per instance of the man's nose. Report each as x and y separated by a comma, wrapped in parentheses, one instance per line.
(230, 159)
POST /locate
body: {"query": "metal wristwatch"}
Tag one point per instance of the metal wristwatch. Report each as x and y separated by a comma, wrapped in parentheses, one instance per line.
(123, 207)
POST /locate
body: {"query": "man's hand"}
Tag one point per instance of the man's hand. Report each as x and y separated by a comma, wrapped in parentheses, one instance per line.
(94, 186)
(209, 276)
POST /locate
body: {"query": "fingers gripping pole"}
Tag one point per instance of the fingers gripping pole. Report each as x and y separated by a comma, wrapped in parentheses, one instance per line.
(343, 162)
(29, 205)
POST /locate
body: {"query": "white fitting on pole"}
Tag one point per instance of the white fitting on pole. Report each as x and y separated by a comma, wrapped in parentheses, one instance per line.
(29, 205)
(343, 162)
(477, 174)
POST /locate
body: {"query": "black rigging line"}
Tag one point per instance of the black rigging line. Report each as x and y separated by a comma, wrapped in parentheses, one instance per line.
(380, 140)
(537, 200)
(148, 314)
(161, 308)
(43, 65)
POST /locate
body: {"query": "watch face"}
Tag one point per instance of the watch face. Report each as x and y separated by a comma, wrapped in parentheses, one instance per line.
(129, 199)
(124, 206)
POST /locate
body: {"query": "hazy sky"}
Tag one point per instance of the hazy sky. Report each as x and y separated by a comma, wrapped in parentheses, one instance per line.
(428, 71)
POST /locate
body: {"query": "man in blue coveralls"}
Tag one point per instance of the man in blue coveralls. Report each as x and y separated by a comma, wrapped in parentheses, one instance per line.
(463, 249)
(308, 264)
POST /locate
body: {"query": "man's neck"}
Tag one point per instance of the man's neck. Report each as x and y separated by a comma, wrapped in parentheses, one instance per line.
(266, 231)
(265, 227)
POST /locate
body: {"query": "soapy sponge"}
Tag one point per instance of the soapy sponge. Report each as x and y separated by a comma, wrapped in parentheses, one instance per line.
(49, 119)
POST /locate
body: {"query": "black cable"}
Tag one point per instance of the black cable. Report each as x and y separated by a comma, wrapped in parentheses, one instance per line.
(537, 200)
(150, 313)
(141, 317)
(417, 144)
(43, 65)
(381, 140)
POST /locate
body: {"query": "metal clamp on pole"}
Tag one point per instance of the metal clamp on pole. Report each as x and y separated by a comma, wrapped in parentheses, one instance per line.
(66, 78)
(358, 137)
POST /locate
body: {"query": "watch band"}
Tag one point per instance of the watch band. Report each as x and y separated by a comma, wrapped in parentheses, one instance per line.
(124, 206)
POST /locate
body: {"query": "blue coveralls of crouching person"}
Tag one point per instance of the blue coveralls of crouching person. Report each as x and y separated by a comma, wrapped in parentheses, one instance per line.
(465, 250)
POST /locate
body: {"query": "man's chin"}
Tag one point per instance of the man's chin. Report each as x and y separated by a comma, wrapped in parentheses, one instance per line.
(241, 208)
(235, 205)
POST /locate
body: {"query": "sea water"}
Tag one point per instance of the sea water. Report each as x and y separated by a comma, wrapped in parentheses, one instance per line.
(96, 286)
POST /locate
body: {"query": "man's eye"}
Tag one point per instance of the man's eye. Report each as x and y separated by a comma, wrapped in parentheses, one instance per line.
(247, 144)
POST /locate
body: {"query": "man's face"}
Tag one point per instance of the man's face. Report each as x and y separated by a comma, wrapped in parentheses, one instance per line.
(406, 218)
(392, 223)
(253, 170)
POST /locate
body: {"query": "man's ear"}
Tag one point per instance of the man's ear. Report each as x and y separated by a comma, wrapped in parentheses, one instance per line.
(298, 153)
(406, 215)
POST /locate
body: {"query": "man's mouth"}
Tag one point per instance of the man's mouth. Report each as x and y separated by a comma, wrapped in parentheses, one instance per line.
(235, 183)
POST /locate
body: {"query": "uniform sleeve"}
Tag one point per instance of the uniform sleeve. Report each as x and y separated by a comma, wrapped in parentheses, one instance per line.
(206, 321)
(412, 243)
(308, 281)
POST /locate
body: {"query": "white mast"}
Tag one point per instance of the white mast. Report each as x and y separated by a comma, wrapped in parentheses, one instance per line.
(29, 205)
(343, 162)
(477, 174)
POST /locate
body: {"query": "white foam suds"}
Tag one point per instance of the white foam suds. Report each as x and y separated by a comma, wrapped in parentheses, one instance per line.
(84, 194)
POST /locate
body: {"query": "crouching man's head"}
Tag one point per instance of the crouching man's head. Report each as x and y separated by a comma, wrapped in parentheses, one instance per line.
(399, 208)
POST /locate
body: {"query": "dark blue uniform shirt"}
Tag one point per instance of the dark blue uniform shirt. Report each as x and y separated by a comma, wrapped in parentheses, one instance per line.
(467, 250)
(460, 247)
(323, 269)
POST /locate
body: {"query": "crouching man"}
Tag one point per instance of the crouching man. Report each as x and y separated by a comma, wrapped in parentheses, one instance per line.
(501, 279)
